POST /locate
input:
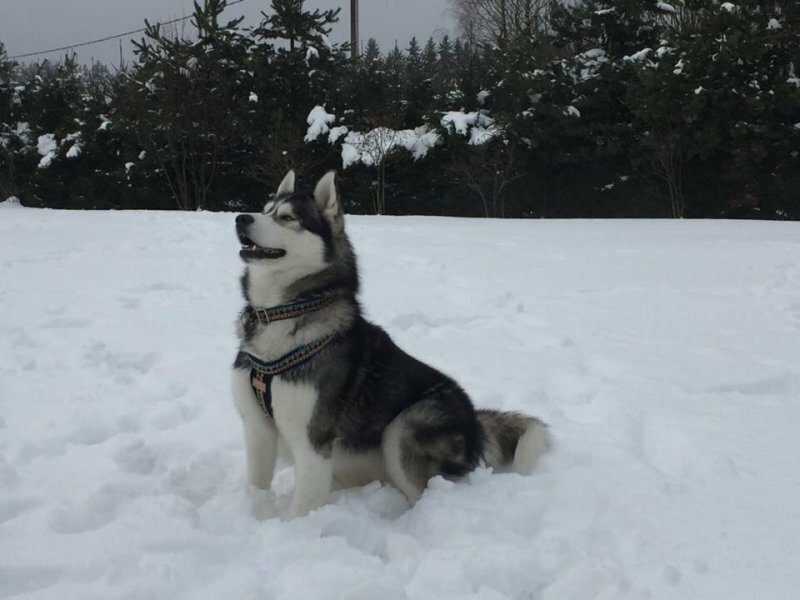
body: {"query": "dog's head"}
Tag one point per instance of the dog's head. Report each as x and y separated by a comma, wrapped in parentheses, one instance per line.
(296, 232)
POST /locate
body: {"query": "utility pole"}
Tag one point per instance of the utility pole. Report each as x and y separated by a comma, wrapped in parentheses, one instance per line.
(354, 29)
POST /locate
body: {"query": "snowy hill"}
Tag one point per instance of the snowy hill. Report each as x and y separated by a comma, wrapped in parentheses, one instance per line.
(664, 355)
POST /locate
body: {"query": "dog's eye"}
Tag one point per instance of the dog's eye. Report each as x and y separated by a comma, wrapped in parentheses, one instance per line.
(287, 218)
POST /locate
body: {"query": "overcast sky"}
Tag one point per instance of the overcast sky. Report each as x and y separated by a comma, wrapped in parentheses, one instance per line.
(31, 25)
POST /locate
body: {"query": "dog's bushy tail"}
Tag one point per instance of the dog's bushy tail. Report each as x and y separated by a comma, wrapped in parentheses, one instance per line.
(512, 440)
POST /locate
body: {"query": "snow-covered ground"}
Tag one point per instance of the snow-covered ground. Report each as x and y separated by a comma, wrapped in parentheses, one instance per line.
(664, 355)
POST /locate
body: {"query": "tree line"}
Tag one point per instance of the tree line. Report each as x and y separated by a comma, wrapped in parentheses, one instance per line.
(593, 108)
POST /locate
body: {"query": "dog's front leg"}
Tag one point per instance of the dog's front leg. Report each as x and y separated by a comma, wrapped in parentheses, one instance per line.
(294, 406)
(260, 434)
(313, 476)
(261, 441)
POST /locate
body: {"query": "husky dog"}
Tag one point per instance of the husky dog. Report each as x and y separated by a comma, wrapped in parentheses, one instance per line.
(351, 406)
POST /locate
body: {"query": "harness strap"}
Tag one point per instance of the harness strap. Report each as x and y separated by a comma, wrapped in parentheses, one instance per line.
(265, 316)
(262, 372)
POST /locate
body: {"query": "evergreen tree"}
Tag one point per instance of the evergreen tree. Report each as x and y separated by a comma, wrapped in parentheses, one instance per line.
(8, 137)
(417, 92)
(588, 108)
(301, 70)
(444, 73)
(366, 96)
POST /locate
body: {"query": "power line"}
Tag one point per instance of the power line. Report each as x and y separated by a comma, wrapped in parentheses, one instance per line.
(105, 39)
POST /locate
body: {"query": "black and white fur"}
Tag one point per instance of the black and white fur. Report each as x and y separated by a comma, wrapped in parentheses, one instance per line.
(361, 409)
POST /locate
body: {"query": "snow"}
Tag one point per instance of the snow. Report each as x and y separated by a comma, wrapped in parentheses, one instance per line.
(479, 127)
(638, 56)
(319, 121)
(422, 141)
(371, 148)
(663, 50)
(311, 52)
(23, 131)
(482, 96)
(350, 155)
(595, 53)
(459, 121)
(774, 24)
(336, 133)
(253, 97)
(481, 135)
(74, 151)
(590, 63)
(46, 145)
(571, 111)
(10, 202)
(728, 6)
(665, 355)
(665, 7)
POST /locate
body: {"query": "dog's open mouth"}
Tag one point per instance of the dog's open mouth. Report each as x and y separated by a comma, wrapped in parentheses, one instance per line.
(252, 250)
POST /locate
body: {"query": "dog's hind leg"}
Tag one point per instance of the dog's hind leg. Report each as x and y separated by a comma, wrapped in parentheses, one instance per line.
(260, 434)
(437, 436)
(398, 470)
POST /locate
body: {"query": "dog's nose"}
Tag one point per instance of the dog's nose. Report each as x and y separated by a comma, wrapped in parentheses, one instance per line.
(245, 220)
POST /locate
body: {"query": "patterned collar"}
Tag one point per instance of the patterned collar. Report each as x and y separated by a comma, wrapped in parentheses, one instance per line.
(258, 315)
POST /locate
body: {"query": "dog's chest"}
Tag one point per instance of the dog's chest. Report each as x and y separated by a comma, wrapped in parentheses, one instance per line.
(272, 342)
(293, 405)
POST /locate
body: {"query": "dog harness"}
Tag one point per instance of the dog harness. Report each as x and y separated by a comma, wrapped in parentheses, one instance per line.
(262, 372)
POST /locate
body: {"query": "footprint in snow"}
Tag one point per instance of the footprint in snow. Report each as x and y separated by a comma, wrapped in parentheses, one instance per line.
(780, 385)
(201, 479)
(131, 303)
(90, 433)
(97, 511)
(8, 475)
(11, 508)
(16, 581)
(794, 315)
(158, 286)
(99, 354)
(173, 415)
(136, 458)
(409, 320)
(65, 323)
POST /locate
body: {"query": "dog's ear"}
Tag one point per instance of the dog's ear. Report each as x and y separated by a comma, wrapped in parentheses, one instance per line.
(328, 201)
(287, 185)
